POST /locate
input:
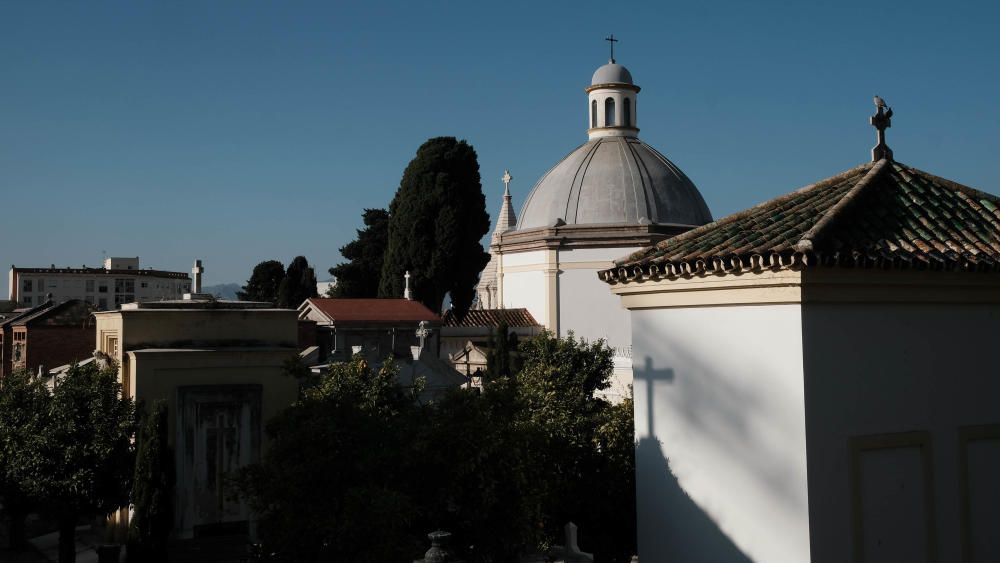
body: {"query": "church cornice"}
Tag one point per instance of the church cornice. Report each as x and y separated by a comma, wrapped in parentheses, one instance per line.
(612, 86)
(586, 236)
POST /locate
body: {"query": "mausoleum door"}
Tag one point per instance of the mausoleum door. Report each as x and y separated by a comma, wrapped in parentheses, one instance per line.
(219, 432)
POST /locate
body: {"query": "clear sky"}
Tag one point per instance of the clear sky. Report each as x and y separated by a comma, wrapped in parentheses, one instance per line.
(239, 131)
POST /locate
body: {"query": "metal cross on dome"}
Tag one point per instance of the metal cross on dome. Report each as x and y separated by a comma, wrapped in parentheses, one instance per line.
(611, 39)
(506, 179)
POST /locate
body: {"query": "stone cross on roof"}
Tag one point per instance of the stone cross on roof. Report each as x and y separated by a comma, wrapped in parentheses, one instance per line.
(506, 182)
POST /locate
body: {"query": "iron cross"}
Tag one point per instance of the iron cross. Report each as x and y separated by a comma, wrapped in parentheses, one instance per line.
(882, 120)
(611, 39)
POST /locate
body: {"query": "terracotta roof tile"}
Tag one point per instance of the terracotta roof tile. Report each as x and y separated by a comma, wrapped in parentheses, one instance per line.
(883, 213)
(374, 310)
(491, 317)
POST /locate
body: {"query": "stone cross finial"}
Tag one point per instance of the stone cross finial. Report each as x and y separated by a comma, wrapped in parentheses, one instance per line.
(196, 273)
(611, 39)
(407, 294)
(882, 120)
(422, 332)
(506, 182)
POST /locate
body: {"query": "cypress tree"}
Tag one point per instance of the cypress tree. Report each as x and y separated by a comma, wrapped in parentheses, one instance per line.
(437, 220)
(298, 284)
(498, 358)
(360, 275)
(152, 490)
(263, 283)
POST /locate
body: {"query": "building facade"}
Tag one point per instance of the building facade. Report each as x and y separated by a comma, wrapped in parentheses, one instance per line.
(814, 376)
(375, 327)
(219, 365)
(47, 336)
(119, 281)
(611, 196)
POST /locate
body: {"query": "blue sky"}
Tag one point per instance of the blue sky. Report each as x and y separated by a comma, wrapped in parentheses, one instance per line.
(239, 131)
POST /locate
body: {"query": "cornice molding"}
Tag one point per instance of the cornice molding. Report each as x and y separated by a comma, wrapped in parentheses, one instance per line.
(586, 236)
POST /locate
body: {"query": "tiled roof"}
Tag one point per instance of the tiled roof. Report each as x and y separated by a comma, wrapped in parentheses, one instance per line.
(70, 312)
(883, 214)
(491, 317)
(21, 314)
(374, 310)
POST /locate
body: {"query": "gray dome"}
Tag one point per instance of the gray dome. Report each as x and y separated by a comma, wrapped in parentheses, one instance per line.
(611, 73)
(614, 180)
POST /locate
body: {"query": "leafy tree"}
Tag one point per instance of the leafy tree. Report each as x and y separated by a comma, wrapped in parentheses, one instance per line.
(298, 284)
(360, 275)
(263, 283)
(436, 222)
(152, 490)
(86, 458)
(503, 470)
(336, 471)
(23, 403)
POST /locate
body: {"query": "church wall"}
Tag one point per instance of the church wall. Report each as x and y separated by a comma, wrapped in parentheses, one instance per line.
(526, 289)
(720, 424)
(893, 393)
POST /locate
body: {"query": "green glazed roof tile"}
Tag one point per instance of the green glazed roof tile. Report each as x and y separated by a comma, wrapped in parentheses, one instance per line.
(884, 212)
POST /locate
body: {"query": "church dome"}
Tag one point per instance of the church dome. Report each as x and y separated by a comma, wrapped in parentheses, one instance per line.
(614, 179)
(611, 73)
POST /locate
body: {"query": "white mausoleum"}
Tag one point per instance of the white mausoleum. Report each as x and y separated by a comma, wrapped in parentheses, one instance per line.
(816, 378)
(610, 196)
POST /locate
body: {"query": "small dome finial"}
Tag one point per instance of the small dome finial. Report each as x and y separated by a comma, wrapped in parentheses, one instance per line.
(611, 39)
(882, 120)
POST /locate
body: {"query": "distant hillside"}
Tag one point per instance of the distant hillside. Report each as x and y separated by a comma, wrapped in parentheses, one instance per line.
(222, 290)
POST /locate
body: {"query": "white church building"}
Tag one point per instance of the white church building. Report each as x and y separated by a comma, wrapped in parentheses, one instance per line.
(816, 378)
(609, 197)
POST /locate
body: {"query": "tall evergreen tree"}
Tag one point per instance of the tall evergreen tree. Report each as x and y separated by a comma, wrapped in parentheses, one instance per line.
(498, 357)
(298, 285)
(436, 222)
(152, 490)
(359, 276)
(264, 282)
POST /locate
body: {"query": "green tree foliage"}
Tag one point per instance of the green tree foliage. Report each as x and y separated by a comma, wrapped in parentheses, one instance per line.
(360, 275)
(298, 284)
(331, 486)
(78, 460)
(152, 490)
(503, 470)
(436, 221)
(24, 402)
(263, 283)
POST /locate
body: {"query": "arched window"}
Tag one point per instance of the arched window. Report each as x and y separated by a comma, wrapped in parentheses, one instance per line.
(627, 119)
(593, 113)
(609, 112)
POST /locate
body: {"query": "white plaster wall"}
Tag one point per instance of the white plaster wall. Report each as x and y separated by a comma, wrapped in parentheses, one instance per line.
(720, 424)
(514, 259)
(875, 369)
(526, 289)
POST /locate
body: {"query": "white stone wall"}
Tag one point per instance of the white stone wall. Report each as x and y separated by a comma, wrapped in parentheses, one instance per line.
(875, 369)
(584, 304)
(720, 425)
